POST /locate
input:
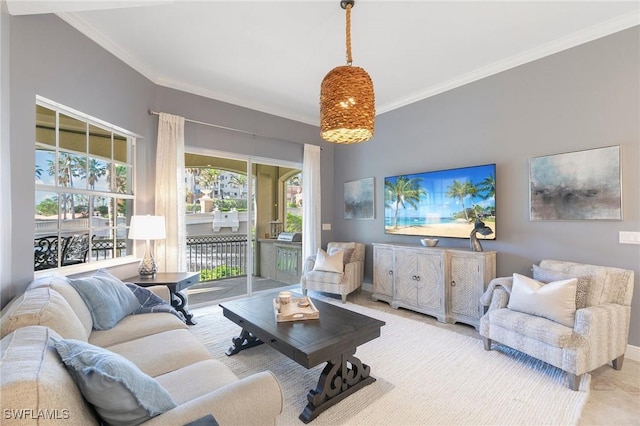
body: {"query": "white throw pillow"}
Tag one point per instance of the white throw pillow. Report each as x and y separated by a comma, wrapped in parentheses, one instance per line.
(328, 262)
(555, 301)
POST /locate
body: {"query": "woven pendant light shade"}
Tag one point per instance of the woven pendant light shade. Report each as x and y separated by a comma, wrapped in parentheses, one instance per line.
(347, 105)
(347, 102)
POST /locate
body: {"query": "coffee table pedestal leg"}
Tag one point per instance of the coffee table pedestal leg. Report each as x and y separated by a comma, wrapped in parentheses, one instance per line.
(340, 378)
(246, 340)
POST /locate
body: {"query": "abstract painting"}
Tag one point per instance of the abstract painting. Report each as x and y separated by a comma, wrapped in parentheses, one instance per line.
(580, 185)
(359, 201)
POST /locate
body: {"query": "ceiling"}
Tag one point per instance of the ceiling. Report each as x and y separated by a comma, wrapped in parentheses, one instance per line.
(272, 55)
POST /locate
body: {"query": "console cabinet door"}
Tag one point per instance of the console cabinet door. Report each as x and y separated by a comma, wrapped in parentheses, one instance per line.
(430, 280)
(383, 270)
(406, 270)
(469, 275)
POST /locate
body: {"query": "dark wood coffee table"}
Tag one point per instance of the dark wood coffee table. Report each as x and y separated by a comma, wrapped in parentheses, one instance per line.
(333, 338)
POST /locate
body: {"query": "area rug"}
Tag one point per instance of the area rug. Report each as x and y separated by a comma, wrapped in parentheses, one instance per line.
(425, 376)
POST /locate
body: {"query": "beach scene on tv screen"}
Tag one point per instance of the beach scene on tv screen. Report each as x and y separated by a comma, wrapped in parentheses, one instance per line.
(444, 203)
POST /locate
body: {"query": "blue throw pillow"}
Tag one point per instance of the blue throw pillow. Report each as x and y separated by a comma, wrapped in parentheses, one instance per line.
(108, 299)
(119, 391)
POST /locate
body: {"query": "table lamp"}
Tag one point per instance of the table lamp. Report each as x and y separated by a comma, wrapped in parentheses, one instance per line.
(147, 228)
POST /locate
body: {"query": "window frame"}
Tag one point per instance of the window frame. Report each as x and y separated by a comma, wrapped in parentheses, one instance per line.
(116, 230)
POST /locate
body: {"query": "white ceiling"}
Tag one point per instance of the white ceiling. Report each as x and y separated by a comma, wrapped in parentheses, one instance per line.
(272, 55)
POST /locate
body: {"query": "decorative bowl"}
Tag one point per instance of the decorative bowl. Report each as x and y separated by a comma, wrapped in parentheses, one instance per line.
(429, 242)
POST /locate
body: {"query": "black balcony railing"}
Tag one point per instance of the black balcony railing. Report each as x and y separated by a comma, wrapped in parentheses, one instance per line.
(217, 256)
(75, 250)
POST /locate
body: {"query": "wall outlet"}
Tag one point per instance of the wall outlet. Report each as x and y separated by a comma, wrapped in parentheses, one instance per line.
(326, 227)
(627, 237)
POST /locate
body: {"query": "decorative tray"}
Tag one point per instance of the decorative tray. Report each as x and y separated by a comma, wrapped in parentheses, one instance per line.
(301, 309)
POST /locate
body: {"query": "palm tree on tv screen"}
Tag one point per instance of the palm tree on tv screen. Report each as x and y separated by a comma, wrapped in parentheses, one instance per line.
(460, 191)
(404, 191)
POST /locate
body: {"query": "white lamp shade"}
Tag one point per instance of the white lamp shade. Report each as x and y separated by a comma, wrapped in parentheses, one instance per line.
(147, 228)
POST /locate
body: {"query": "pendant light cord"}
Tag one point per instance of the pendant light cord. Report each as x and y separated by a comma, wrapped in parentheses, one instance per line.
(349, 59)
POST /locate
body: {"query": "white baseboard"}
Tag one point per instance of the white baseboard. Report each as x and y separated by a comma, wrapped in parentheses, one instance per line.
(633, 352)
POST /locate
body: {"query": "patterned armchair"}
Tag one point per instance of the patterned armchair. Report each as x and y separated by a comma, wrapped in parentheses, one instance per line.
(341, 280)
(599, 334)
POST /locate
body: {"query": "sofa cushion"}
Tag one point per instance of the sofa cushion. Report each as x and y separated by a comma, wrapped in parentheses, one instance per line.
(554, 301)
(119, 391)
(133, 327)
(60, 283)
(43, 306)
(163, 352)
(329, 262)
(548, 275)
(203, 377)
(108, 299)
(34, 378)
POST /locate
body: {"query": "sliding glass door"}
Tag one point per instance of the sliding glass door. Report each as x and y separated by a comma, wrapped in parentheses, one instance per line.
(236, 210)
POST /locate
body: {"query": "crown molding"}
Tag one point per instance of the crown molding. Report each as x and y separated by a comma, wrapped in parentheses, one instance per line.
(241, 102)
(580, 37)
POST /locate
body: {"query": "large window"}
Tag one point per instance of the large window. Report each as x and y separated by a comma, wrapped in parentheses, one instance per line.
(83, 188)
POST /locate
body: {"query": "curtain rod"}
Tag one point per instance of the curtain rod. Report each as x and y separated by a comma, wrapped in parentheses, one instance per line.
(231, 129)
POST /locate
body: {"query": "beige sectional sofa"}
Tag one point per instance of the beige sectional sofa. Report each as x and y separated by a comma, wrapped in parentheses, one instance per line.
(37, 387)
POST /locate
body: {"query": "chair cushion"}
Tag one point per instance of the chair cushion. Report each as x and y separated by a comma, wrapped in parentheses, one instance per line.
(108, 299)
(554, 301)
(119, 391)
(548, 275)
(521, 325)
(324, 277)
(329, 262)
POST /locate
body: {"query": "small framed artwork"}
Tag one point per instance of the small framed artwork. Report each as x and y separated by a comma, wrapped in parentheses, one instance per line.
(359, 199)
(580, 185)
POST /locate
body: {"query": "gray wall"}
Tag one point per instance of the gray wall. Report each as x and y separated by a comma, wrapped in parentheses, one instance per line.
(51, 59)
(585, 97)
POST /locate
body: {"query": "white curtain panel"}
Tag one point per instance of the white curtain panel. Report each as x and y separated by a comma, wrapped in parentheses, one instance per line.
(171, 254)
(311, 212)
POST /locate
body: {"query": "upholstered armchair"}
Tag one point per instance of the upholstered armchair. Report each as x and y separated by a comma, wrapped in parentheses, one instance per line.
(576, 335)
(339, 270)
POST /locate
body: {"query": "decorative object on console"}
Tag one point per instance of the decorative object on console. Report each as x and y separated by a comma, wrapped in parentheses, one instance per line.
(429, 242)
(359, 199)
(147, 228)
(482, 229)
(347, 104)
(580, 185)
(442, 203)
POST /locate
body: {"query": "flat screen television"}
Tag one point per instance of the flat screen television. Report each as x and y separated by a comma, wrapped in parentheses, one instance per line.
(443, 203)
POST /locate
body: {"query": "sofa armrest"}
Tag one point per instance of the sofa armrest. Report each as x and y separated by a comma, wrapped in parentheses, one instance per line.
(254, 400)
(161, 291)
